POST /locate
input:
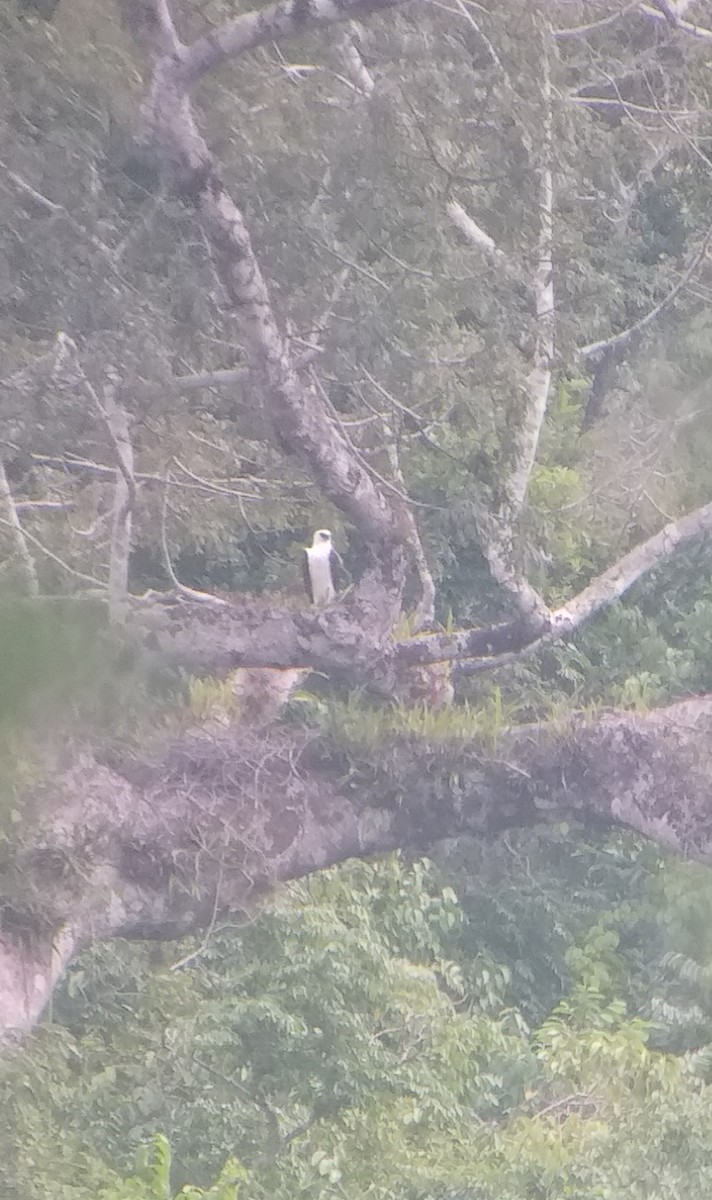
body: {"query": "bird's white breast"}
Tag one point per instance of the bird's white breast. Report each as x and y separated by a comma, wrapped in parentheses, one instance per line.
(320, 573)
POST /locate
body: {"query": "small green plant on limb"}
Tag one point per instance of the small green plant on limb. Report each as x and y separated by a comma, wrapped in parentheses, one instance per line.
(152, 1178)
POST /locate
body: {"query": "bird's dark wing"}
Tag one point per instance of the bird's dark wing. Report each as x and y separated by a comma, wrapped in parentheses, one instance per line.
(306, 575)
(336, 567)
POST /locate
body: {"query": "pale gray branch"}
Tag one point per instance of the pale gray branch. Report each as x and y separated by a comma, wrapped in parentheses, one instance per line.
(425, 611)
(117, 424)
(472, 231)
(18, 534)
(670, 14)
(55, 558)
(539, 378)
(614, 582)
(272, 23)
(497, 533)
(504, 644)
(361, 76)
(620, 339)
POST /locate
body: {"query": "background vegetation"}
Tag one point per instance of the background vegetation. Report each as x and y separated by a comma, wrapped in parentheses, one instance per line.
(526, 1019)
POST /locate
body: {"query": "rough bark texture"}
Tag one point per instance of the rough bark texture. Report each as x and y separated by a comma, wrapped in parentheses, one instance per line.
(295, 406)
(155, 846)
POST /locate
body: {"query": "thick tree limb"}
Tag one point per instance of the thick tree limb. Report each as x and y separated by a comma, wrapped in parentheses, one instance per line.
(497, 531)
(614, 582)
(298, 413)
(285, 19)
(340, 640)
(539, 378)
(156, 847)
(475, 235)
(362, 78)
(600, 593)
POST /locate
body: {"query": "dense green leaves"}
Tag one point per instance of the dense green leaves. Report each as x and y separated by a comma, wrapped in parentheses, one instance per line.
(367, 1035)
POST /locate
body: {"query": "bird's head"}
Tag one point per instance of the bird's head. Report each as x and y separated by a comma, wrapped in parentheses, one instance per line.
(322, 537)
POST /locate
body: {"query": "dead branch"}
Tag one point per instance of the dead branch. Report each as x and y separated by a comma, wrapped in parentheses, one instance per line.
(273, 23)
(511, 639)
(14, 524)
(594, 349)
(670, 14)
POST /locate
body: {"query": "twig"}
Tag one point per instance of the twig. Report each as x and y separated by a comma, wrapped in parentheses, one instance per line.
(55, 558)
(86, 464)
(188, 592)
(620, 339)
(367, 466)
(348, 262)
(117, 424)
(187, 958)
(18, 534)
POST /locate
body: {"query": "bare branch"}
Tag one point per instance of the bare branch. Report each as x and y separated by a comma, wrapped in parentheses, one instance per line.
(243, 811)
(497, 532)
(144, 391)
(670, 14)
(578, 30)
(42, 202)
(55, 558)
(285, 19)
(44, 505)
(504, 643)
(117, 423)
(614, 582)
(425, 611)
(188, 592)
(539, 378)
(186, 383)
(18, 536)
(355, 65)
(620, 339)
(471, 230)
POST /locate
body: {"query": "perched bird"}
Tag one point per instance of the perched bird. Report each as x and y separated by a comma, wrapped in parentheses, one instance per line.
(321, 568)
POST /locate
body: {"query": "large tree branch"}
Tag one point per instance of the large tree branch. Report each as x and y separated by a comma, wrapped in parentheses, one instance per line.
(497, 532)
(539, 379)
(298, 413)
(562, 622)
(285, 19)
(158, 846)
(340, 640)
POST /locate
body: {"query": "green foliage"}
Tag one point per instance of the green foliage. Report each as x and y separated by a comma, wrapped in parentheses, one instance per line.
(207, 696)
(152, 1179)
(48, 651)
(375, 1032)
(64, 674)
(533, 1017)
(362, 732)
